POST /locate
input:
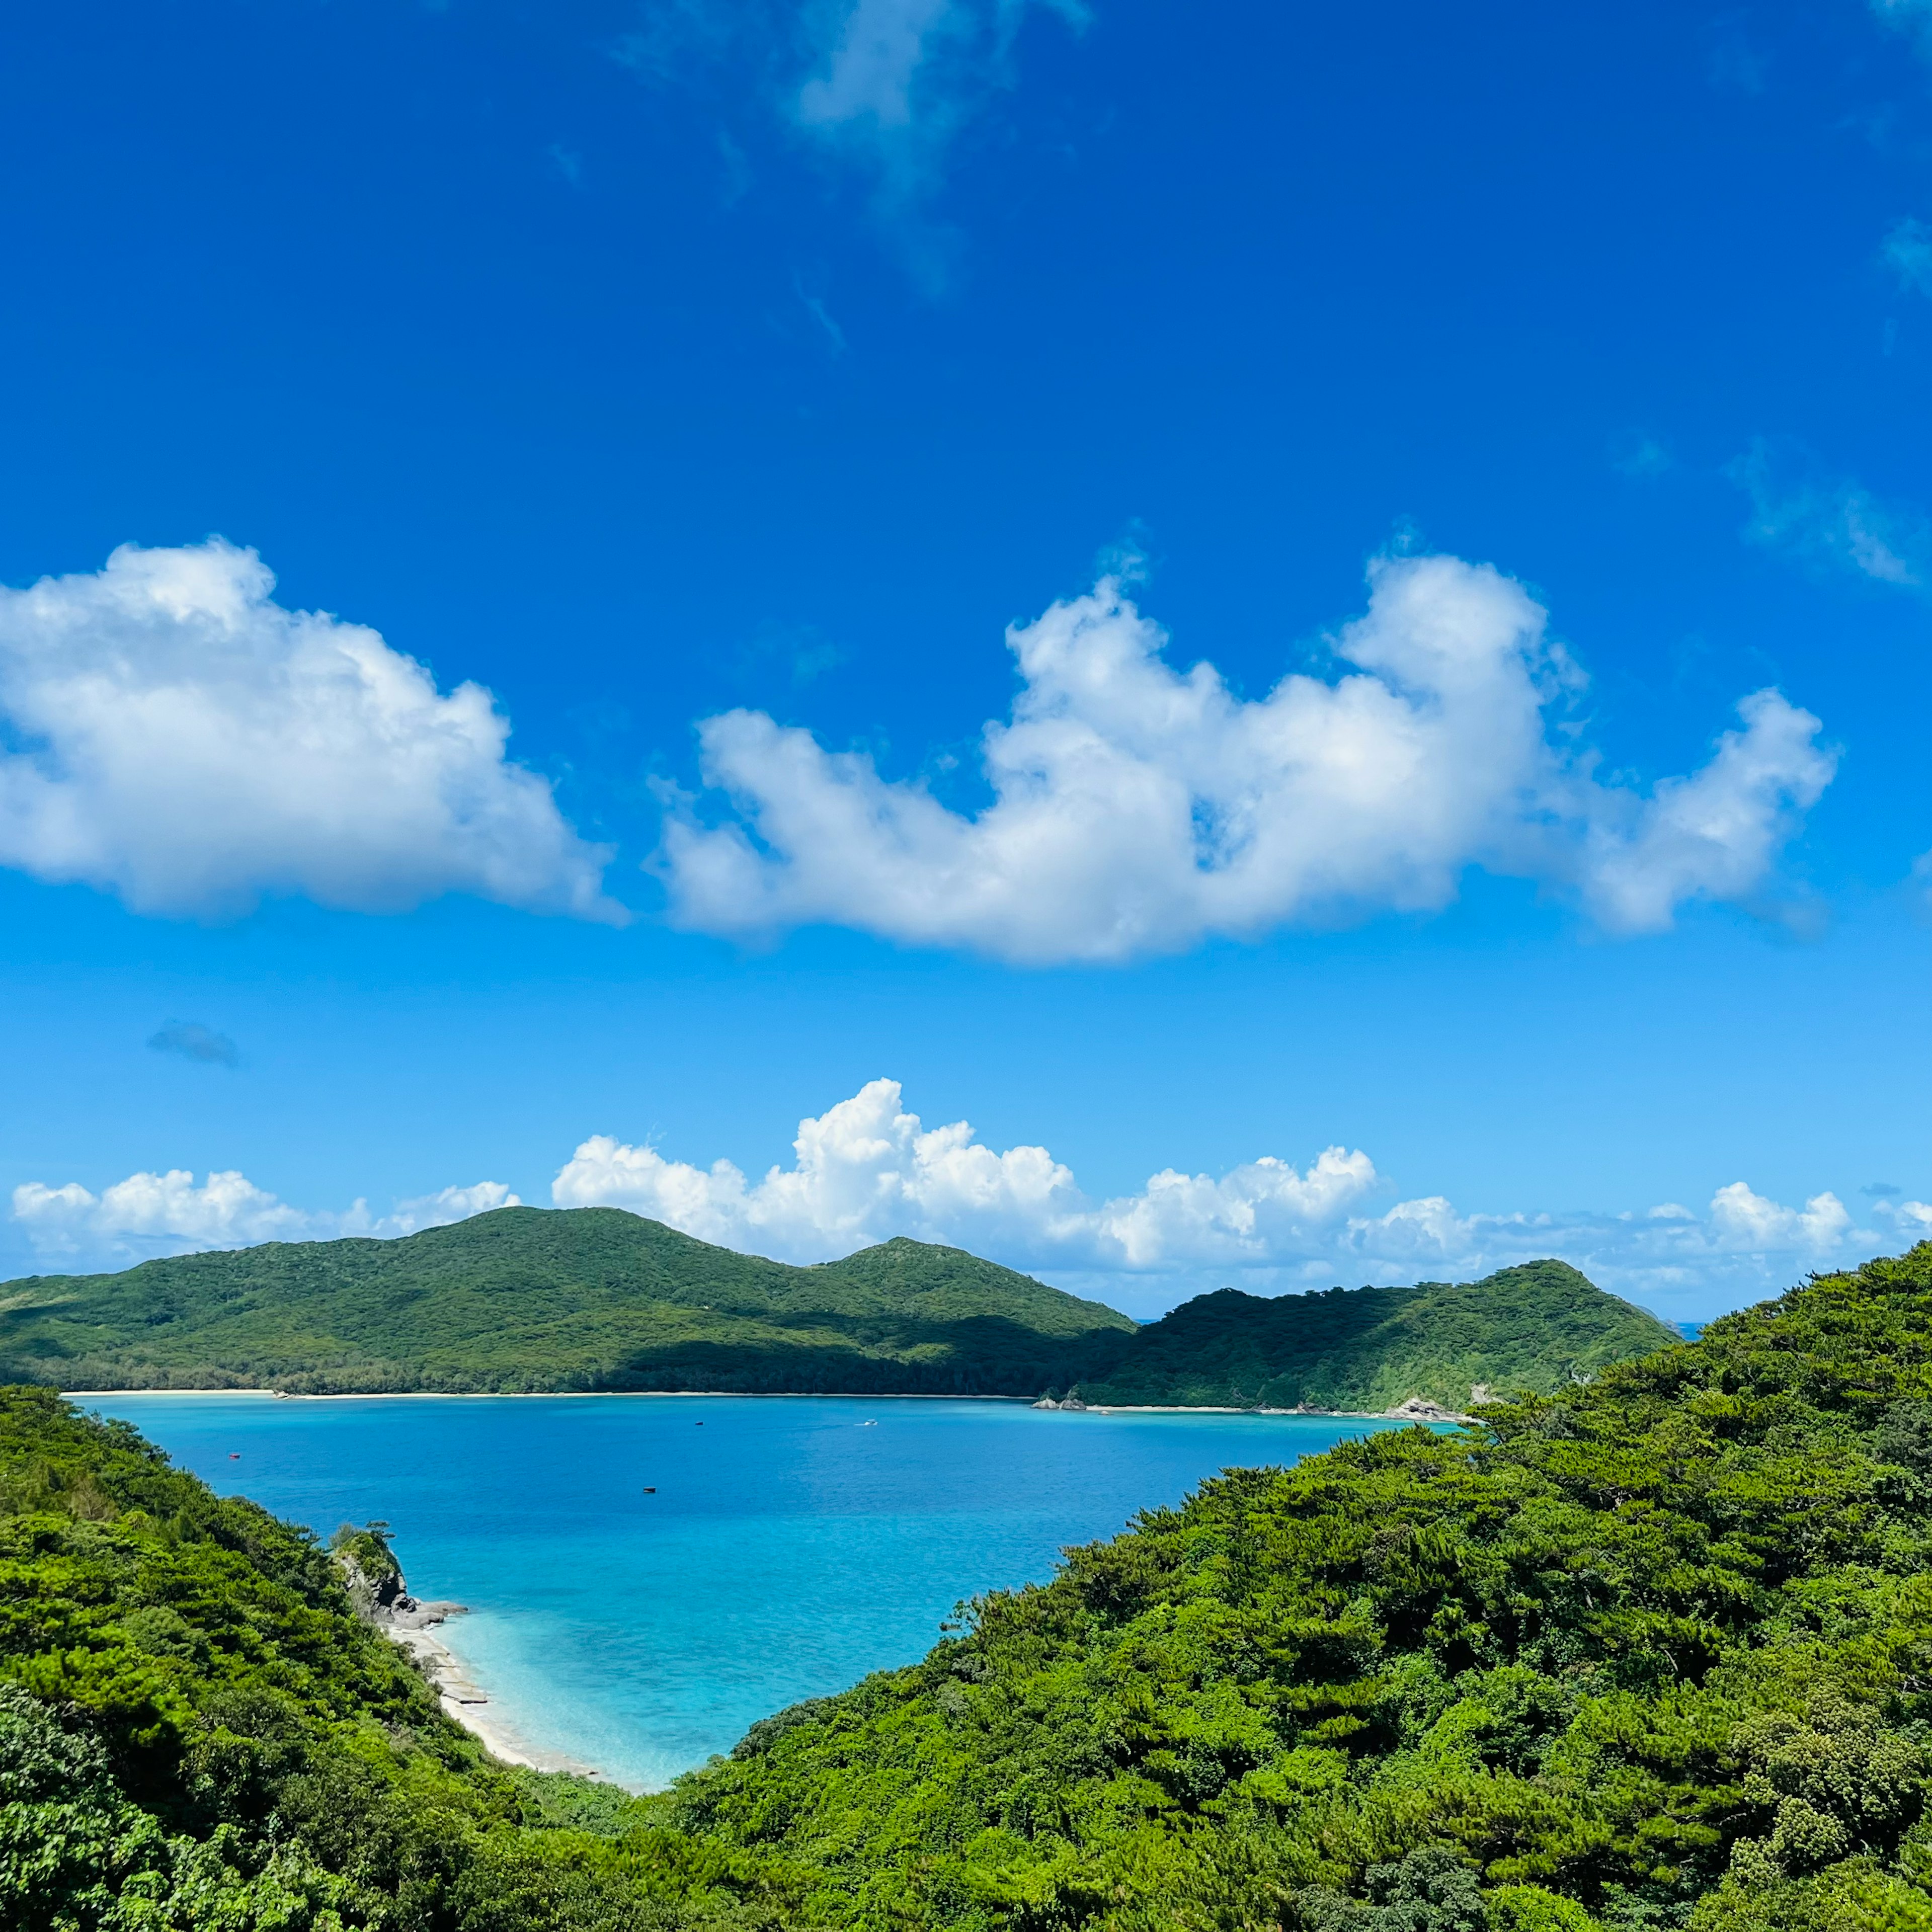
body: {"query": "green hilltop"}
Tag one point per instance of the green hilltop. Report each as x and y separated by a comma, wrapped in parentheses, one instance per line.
(1648, 1652)
(527, 1299)
(1366, 1349)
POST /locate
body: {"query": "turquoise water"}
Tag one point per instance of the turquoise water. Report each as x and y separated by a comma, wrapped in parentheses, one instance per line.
(792, 1545)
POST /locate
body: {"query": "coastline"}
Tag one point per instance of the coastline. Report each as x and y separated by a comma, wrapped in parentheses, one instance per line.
(457, 1691)
(558, 1395)
(1424, 1412)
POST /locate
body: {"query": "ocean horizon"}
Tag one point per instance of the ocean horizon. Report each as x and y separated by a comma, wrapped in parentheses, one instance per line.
(647, 1577)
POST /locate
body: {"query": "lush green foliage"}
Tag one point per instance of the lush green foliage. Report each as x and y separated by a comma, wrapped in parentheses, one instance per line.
(1366, 1349)
(1653, 1652)
(530, 1298)
(196, 1734)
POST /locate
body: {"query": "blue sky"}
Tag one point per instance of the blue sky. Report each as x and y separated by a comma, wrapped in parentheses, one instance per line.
(828, 439)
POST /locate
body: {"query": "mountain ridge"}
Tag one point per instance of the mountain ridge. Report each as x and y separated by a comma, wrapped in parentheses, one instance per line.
(527, 1300)
(1368, 1350)
(552, 1300)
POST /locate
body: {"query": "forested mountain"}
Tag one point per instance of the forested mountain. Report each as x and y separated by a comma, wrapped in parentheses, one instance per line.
(1650, 1652)
(529, 1298)
(1366, 1349)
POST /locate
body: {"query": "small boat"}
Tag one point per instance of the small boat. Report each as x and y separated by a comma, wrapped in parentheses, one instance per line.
(868, 1425)
(650, 1489)
(234, 1455)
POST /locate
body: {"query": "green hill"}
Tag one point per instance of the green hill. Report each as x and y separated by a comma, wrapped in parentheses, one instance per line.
(1649, 1653)
(530, 1299)
(1368, 1349)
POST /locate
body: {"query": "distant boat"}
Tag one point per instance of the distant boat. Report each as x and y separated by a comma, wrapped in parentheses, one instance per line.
(234, 1455)
(868, 1425)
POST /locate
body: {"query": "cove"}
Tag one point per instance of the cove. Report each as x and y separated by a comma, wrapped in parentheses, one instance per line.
(792, 1544)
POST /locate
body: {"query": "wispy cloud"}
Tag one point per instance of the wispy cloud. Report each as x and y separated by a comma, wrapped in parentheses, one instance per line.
(1139, 809)
(1640, 454)
(1908, 254)
(1830, 523)
(193, 1041)
(887, 85)
(176, 736)
(814, 306)
(1914, 16)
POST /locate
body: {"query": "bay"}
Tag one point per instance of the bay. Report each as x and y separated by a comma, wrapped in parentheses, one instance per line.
(792, 1545)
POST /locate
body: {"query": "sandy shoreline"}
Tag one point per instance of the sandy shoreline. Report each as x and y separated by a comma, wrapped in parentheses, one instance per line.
(461, 1699)
(769, 1395)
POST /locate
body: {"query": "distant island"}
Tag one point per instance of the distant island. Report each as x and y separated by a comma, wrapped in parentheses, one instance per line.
(1367, 1351)
(547, 1301)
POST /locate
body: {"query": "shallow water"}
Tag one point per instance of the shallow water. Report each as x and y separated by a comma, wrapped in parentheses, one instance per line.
(793, 1545)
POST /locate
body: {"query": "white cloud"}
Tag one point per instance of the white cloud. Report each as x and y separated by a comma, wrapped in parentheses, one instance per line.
(1138, 809)
(1748, 1223)
(864, 1171)
(433, 1210)
(868, 1169)
(1715, 835)
(177, 737)
(151, 1214)
(1830, 524)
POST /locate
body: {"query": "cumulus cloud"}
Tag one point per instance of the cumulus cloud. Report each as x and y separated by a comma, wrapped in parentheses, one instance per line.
(151, 1214)
(1138, 808)
(868, 1169)
(176, 736)
(193, 1041)
(1830, 524)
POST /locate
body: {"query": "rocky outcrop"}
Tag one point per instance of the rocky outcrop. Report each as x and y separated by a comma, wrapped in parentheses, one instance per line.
(1419, 1409)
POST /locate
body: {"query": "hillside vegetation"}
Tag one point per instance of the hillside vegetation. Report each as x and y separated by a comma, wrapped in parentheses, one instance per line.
(1652, 1651)
(529, 1299)
(1535, 1327)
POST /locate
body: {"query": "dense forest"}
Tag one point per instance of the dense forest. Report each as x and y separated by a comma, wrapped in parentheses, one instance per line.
(1367, 1349)
(1653, 1651)
(529, 1299)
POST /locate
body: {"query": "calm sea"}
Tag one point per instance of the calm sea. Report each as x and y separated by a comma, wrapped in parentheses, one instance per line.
(791, 1545)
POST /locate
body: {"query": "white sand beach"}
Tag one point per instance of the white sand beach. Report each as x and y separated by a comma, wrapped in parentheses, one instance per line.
(417, 1633)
